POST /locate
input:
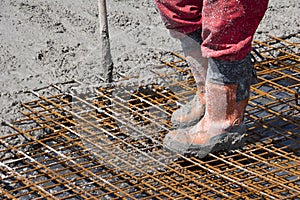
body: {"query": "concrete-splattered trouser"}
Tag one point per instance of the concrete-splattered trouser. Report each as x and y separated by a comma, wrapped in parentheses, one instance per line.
(216, 37)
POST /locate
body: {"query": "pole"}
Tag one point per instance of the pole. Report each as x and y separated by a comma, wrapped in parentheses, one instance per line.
(106, 60)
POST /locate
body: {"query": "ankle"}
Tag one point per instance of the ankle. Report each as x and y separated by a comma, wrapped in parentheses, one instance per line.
(222, 125)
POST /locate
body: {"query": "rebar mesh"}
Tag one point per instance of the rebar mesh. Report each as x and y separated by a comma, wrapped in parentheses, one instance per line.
(87, 142)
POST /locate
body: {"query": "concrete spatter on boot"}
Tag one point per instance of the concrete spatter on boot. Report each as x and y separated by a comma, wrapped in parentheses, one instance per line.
(220, 128)
(232, 139)
(188, 115)
(193, 111)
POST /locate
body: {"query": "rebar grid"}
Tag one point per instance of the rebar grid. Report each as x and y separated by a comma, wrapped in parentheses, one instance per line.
(106, 142)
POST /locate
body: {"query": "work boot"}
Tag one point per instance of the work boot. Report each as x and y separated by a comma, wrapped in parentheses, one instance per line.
(193, 111)
(227, 93)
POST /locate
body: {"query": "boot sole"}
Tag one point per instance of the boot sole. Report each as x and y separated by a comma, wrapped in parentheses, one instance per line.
(226, 141)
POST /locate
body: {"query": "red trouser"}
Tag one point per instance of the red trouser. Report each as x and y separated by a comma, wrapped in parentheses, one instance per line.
(227, 26)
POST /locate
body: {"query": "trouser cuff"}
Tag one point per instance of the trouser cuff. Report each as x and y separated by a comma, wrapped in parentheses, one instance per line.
(239, 72)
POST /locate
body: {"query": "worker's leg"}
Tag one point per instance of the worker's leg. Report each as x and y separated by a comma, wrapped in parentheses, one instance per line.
(228, 28)
(183, 19)
(193, 111)
(227, 92)
(180, 17)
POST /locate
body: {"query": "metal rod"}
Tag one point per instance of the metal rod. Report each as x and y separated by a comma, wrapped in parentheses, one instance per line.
(106, 142)
(106, 58)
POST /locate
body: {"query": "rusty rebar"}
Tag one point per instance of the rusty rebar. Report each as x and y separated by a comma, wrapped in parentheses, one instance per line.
(105, 142)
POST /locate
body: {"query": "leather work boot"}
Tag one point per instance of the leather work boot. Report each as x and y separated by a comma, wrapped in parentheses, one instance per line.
(193, 111)
(227, 93)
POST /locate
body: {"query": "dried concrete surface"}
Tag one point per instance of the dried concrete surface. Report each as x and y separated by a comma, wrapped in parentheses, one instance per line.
(46, 41)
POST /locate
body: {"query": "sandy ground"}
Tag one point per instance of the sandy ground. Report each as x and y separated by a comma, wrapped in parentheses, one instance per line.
(47, 41)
